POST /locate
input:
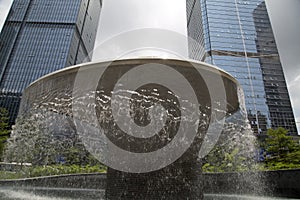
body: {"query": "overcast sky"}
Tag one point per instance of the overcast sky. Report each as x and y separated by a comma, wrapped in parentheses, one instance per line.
(133, 14)
(120, 17)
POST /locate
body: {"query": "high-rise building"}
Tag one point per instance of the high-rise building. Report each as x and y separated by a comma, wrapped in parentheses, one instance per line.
(240, 40)
(41, 36)
(195, 32)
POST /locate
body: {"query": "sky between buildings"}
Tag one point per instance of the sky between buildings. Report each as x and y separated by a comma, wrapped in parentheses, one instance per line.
(136, 14)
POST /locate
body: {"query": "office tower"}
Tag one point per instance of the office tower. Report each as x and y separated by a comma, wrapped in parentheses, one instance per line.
(195, 33)
(277, 95)
(42, 36)
(240, 40)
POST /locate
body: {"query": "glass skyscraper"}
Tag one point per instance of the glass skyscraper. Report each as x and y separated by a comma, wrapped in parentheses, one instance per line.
(195, 32)
(42, 36)
(240, 40)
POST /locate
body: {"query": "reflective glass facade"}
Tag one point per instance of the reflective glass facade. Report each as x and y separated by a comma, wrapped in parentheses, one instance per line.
(195, 30)
(42, 36)
(240, 40)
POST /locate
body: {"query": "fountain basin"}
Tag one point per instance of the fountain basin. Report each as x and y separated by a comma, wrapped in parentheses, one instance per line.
(62, 100)
(281, 185)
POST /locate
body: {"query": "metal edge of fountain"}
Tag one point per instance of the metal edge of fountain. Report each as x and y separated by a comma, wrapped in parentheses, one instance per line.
(233, 98)
(138, 60)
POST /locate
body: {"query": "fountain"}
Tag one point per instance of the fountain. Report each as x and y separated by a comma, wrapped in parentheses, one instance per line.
(152, 132)
(152, 121)
(172, 123)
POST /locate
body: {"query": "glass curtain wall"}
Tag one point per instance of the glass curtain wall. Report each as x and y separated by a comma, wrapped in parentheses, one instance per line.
(42, 36)
(240, 40)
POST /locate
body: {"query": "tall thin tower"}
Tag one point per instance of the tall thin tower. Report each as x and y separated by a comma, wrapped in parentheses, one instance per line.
(41, 36)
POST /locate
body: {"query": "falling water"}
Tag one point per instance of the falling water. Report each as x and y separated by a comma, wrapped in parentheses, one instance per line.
(46, 131)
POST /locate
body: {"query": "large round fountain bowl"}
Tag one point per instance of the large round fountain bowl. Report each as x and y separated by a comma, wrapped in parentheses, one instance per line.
(60, 84)
(53, 97)
(212, 94)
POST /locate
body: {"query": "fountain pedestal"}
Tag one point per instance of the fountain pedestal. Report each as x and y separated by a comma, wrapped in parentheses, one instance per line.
(176, 181)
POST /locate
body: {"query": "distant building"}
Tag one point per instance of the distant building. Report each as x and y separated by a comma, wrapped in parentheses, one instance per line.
(240, 40)
(42, 36)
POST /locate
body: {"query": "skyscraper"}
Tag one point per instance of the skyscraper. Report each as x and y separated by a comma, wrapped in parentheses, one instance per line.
(42, 36)
(195, 32)
(277, 95)
(240, 40)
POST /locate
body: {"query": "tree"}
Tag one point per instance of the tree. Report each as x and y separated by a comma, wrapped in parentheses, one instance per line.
(42, 138)
(4, 130)
(32, 142)
(278, 144)
(234, 151)
(281, 150)
(222, 161)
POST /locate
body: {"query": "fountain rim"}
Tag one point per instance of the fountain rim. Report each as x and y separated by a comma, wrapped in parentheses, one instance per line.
(129, 60)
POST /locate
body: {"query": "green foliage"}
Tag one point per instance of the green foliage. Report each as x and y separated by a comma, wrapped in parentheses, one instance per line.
(4, 175)
(33, 142)
(282, 152)
(22, 146)
(50, 170)
(77, 155)
(63, 169)
(225, 161)
(279, 144)
(4, 130)
(233, 152)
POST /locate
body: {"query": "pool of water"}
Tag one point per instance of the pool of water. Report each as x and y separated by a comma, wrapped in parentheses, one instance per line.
(239, 197)
(44, 193)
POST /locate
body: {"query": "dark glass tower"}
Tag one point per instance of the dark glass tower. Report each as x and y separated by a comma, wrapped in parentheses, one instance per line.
(277, 95)
(42, 36)
(240, 40)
